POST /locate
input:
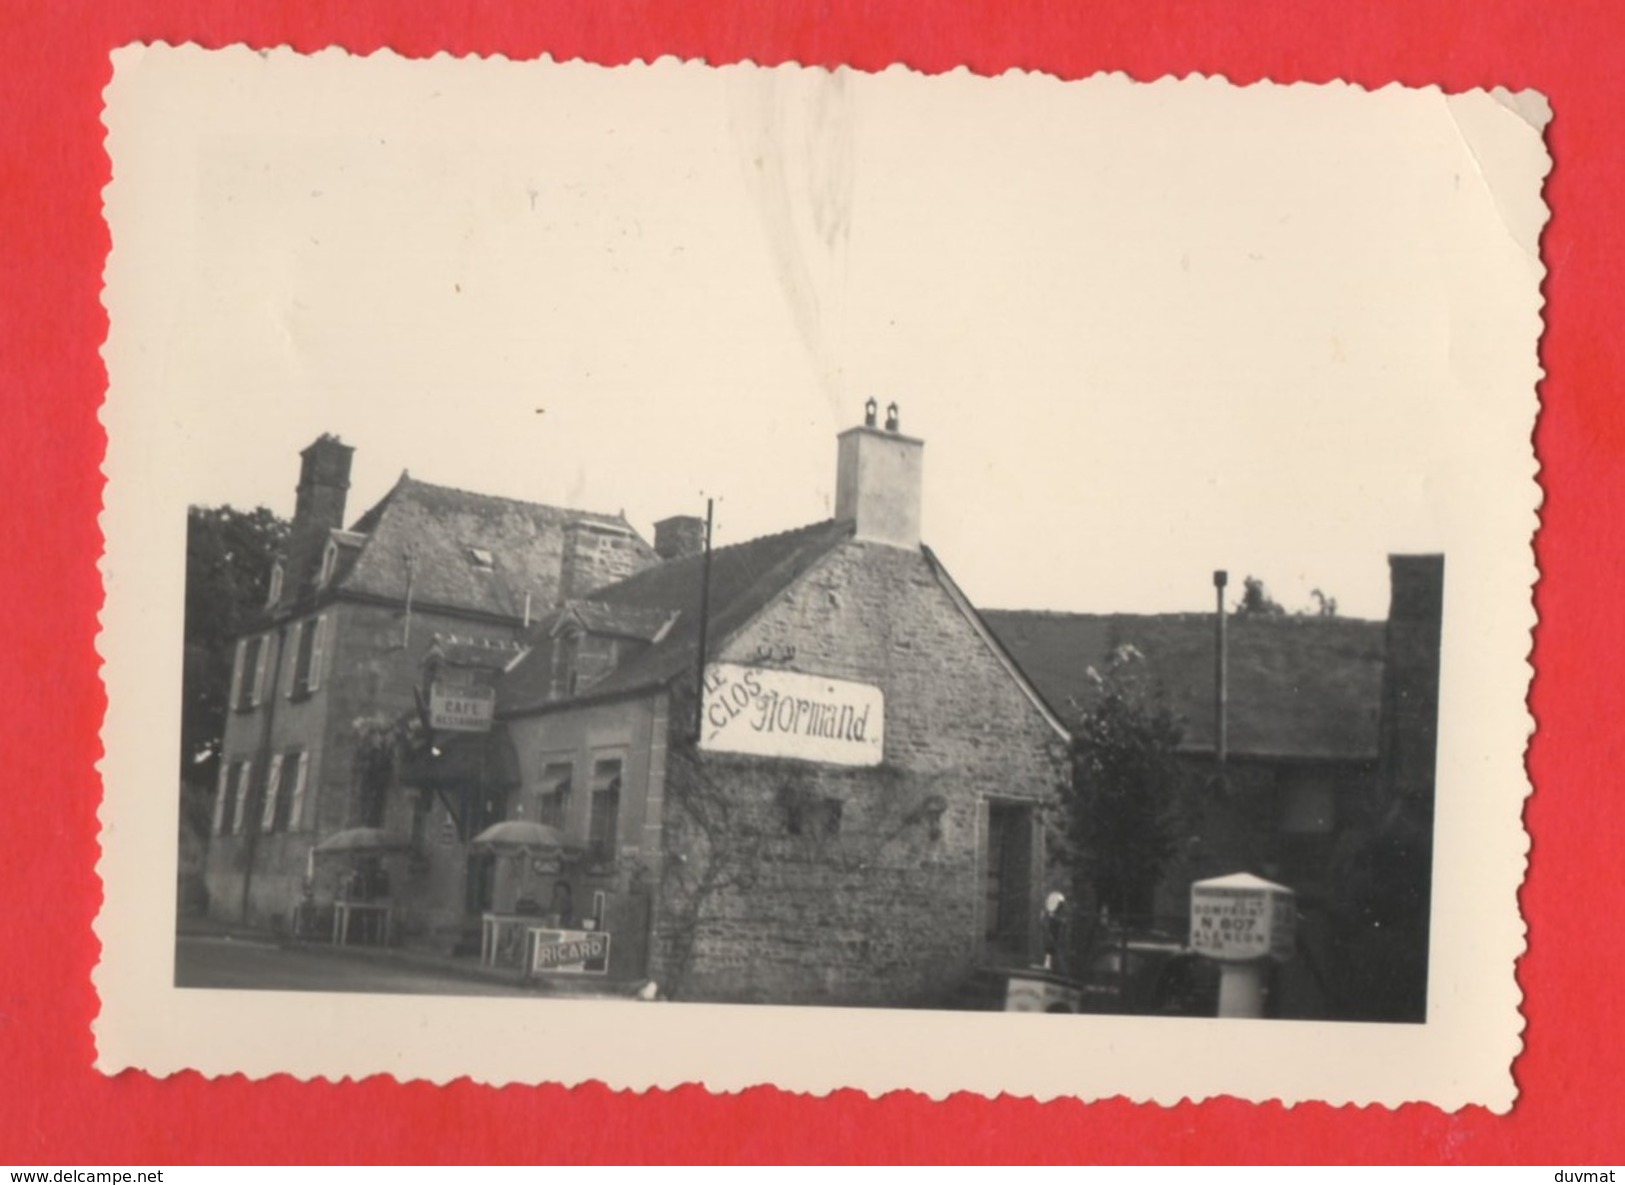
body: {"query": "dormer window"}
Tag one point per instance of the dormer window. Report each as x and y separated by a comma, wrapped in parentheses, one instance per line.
(330, 559)
(275, 592)
(481, 559)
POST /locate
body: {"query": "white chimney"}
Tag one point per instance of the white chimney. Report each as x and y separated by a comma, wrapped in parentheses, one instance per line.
(877, 481)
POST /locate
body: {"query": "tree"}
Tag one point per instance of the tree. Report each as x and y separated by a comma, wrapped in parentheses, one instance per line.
(1256, 600)
(1325, 606)
(1124, 816)
(229, 554)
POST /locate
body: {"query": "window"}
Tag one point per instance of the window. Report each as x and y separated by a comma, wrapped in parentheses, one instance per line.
(330, 559)
(813, 816)
(239, 810)
(284, 792)
(603, 823)
(1308, 807)
(275, 593)
(307, 669)
(248, 676)
(553, 801)
(565, 647)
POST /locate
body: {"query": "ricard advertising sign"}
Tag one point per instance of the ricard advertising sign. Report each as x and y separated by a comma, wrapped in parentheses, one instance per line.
(765, 713)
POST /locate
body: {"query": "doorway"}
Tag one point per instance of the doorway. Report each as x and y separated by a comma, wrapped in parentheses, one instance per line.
(1007, 904)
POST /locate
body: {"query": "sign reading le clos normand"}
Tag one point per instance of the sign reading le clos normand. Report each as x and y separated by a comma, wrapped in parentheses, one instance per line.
(766, 713)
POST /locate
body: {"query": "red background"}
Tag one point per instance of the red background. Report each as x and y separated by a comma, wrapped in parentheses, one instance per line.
(58, 1110)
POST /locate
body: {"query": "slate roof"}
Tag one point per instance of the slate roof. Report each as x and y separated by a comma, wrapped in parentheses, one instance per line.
(745, 577)
(437, 534)
(1299, 687)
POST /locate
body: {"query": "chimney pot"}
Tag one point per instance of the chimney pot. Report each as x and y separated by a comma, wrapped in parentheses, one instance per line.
(891, 417)
(870, 407)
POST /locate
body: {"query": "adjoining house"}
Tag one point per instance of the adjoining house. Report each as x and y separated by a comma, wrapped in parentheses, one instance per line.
(336, 658)
(1327, 782)
(1302, 721)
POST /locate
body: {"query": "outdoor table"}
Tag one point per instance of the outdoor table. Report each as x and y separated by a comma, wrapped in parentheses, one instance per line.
(343, 911)
(493, 927)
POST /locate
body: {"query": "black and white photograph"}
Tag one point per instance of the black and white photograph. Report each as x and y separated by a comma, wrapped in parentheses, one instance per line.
(669, 573)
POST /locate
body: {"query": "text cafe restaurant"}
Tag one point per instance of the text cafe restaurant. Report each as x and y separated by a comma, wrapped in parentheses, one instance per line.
(848, 811)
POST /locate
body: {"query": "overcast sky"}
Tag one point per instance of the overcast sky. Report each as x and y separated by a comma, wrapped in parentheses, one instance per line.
(1145, 331)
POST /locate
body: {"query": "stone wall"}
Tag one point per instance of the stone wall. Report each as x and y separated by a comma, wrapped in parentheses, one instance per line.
(794, 882)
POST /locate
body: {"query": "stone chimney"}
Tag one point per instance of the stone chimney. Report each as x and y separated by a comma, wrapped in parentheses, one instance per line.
(324, 485)
(597, 552)
(877, 480)
(680, 535)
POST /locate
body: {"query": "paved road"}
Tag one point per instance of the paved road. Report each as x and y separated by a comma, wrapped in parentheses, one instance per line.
(218, 962)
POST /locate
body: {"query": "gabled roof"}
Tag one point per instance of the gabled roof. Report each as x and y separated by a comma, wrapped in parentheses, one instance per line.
(745, 577)
(1299, 687)
(464, 550)
(618, 621)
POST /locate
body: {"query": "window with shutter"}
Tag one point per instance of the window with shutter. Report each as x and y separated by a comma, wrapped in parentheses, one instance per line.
(553, 803)
(251, 673)
(307, 676)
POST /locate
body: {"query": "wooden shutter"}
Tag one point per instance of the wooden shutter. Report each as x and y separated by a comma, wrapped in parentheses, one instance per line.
(296, 805)
(237, 675)
(293, 665)
(241, 806)
(219, 820)
(259, 671)
(317, 646)
(273, 783)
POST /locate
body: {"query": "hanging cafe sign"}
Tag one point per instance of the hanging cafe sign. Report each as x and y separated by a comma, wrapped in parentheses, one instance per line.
(765, 713)
(458, 702)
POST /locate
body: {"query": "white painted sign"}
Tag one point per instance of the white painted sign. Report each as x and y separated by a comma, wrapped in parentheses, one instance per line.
(467, 708)
(765, 713)
(1242, 917)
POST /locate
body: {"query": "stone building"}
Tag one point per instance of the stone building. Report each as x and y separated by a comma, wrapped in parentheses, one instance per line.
(352, 616)
(850, 811)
